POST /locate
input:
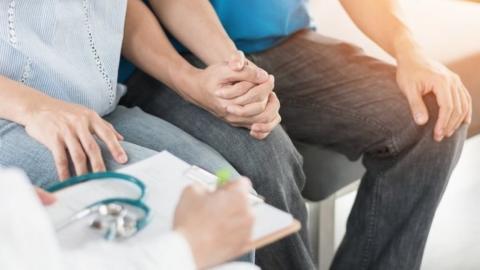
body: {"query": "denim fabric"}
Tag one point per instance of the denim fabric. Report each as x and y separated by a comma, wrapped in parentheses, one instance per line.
(145, 135)
(273, 164)
(334, 96)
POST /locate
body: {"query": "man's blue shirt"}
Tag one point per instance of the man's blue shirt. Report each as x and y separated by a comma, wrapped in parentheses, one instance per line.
(254, 25)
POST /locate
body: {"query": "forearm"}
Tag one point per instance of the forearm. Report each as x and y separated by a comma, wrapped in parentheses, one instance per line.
(202, 33)
(146, 45)
(18, 101)
(381, 21)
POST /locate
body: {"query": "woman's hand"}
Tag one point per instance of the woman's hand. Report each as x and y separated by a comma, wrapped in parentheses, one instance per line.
(69, 131)
(238, 92)
(218, 225)
(219, 87)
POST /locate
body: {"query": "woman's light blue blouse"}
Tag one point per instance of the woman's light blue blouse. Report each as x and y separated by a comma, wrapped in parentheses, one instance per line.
(68, 49)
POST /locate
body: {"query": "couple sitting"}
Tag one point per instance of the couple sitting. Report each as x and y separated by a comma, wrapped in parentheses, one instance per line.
(63, 111)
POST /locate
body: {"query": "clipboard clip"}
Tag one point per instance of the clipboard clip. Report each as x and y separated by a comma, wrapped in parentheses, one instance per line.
(210, 181)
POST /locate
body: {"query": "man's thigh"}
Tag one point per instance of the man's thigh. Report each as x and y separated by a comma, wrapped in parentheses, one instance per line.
(332, 94)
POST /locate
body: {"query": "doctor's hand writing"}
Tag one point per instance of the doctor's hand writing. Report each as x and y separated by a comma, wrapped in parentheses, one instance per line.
(68, 131)
(238, 92)
(418, 76)
(217, 223)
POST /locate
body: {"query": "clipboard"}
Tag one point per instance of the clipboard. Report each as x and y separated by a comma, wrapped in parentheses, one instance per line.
(162, 172)
(209, 180)
(262, 242)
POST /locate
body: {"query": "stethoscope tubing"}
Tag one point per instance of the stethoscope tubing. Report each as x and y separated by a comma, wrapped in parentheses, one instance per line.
(104, 176)
(100, 176)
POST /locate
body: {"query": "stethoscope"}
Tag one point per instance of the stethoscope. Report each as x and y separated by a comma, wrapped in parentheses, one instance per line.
(113, 218)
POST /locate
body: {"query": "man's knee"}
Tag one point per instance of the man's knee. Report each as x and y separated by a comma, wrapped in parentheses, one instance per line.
(404, 135)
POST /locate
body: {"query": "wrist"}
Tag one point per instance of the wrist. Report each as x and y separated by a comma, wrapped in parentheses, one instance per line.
(185, 81)
(406, 48)
(223, 53)
(195, 253)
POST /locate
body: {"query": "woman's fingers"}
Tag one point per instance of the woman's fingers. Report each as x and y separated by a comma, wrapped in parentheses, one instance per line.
(60, 159)
(77, 154)
(92, 149)
(234, 90)
(266, 127)
(107, 134)
(257, 94)
(249, 110)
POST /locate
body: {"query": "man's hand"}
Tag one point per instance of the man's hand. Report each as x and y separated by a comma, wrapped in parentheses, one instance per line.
(45, 197)
(238, 92)
(218, 225)
(418, 76)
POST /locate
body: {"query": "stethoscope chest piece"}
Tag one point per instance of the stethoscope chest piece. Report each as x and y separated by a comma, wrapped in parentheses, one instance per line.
(114, 221)
(115, 218)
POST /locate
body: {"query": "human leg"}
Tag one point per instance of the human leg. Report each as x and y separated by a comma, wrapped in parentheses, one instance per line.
(273, 164)
(144, 135)
(22, 151)
(335, 96)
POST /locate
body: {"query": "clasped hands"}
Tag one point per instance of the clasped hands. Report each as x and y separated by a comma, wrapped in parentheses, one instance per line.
(238, 92)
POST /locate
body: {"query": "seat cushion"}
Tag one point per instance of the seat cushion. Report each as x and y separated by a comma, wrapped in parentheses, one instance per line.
(326, 171)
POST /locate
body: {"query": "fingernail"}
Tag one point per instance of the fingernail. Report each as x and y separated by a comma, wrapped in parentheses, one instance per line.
(420, 118)
(122, 158)
(262, 74)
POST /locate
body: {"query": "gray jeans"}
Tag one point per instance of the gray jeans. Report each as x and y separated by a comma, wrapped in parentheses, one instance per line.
(334, 96)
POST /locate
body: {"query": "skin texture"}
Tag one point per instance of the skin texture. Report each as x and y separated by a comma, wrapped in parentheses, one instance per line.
(227, 230)
(417, 75)
(65, 129)
(248, 103)
(45, 197)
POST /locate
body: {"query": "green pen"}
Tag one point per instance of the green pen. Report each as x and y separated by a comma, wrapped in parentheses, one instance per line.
(225, 175)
